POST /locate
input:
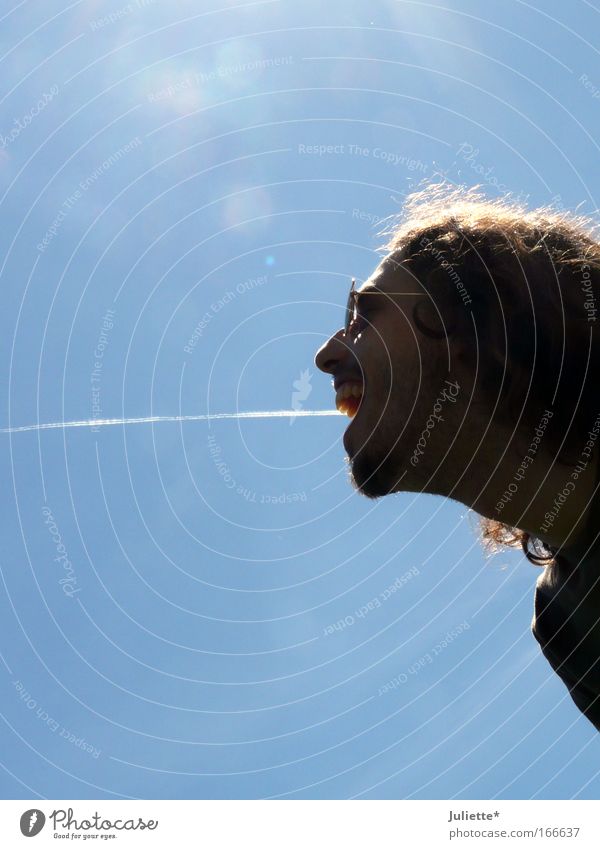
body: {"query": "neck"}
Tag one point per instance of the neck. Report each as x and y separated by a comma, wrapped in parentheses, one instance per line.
(537, 494)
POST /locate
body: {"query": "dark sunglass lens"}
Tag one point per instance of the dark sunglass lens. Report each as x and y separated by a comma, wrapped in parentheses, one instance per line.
(350, 307)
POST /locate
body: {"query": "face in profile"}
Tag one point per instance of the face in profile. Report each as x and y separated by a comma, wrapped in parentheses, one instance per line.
(387, 377)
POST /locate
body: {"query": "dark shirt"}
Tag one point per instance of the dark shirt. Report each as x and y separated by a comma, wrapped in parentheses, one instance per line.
(566, 620)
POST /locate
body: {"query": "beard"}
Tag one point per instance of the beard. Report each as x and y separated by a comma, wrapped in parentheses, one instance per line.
(396, 403)
(373, 471)
(380, 465)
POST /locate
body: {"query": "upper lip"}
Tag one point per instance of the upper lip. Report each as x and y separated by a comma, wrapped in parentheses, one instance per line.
(339, 380)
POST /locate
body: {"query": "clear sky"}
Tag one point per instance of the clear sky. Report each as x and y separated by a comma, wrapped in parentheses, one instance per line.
(187, 189)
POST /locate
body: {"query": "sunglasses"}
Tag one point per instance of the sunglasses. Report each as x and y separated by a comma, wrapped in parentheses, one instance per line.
(351, 308)
(352, 312)
(352, 317)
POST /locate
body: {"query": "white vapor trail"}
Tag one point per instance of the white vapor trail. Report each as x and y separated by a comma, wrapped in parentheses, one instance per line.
(261, 414)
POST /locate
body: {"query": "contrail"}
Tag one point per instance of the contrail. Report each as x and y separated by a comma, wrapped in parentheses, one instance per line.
(261, 414)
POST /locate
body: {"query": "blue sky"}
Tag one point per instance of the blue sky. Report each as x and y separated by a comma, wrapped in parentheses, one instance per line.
(187, 190)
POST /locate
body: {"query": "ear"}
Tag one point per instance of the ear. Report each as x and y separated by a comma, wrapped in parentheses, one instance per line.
(435, 314)
(428, 319)
(433, 319)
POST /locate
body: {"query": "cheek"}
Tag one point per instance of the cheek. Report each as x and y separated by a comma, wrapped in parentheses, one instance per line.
(407, 363)
(382, 346)
(392, 360)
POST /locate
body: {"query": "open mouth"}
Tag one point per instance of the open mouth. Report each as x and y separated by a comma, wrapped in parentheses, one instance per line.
(348, 397)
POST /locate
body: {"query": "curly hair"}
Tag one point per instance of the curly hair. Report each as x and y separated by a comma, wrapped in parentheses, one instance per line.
(518, 288)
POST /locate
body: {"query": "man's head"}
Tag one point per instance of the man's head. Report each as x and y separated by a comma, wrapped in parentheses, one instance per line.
(478, 319)
(395, 375)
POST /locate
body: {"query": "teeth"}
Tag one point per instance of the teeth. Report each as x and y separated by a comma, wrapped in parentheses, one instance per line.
(347, 398)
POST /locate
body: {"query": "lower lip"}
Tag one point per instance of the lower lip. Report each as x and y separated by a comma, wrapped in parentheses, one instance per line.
(346, 442)
(346, 439)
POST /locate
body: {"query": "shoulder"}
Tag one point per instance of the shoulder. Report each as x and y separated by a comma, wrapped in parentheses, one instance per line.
(566, 624)
(567, 599)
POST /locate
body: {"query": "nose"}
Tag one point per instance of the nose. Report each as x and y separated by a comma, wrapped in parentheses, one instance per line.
(334, 353)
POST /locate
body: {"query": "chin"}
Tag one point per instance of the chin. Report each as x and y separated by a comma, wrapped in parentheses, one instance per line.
(372, 470)
(369, 478)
